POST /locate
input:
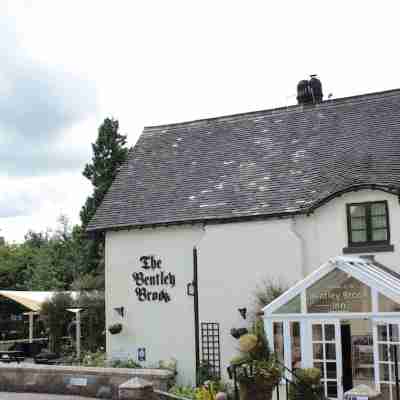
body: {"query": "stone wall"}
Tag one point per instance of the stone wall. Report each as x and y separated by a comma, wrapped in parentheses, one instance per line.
(83, 381)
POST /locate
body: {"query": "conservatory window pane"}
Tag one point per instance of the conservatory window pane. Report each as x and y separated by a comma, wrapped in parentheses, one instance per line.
(278, 340)
(338, 292)
(292, 306)
(329, 332)
(296, 344)
(382, 333)
(317, 333)
(387, 305)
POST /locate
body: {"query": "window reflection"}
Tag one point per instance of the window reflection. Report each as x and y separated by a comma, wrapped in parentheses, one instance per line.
(291, 307)
(387, 305)
(278, 341)
(296, 345)
(338, 292)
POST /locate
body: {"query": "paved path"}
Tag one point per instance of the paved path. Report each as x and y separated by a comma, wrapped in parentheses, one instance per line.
(38, 396)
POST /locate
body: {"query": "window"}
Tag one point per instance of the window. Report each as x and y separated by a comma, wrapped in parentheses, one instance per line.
(368, 227)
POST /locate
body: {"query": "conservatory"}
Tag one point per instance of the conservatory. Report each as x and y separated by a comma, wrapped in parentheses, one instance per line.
(344, 319)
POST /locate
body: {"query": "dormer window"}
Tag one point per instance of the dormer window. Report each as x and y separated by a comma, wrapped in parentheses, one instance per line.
(368, 227)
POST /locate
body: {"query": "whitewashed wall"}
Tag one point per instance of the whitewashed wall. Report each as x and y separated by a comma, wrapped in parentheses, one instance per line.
(165, 329)
(325, 231)
(232, 260)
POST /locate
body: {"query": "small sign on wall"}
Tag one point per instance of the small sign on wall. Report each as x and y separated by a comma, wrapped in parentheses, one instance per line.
(141, 354)
(78, 382)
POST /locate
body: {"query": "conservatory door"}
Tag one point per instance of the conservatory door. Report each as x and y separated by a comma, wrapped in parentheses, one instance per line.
(386, 343)
(327, 356)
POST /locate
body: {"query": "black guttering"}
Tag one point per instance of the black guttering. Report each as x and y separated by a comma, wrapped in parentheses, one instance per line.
(243, 218)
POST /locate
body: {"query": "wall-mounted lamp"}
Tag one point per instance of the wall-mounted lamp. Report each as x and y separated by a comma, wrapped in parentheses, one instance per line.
(190, 289)
(243, 312)
(119, 311)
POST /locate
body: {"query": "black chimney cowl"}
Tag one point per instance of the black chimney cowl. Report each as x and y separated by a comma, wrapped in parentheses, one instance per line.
(309, 92)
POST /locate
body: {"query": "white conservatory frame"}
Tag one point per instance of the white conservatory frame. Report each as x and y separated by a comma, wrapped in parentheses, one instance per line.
(378, 278)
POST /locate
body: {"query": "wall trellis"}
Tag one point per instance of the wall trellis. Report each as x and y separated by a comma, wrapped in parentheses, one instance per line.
(210, 348)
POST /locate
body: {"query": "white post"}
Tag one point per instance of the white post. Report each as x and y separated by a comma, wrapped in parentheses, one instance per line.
(78, 334)
(77, 312)
(31, 314)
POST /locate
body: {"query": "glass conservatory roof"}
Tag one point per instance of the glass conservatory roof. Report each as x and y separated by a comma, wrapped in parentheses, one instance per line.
(343, 284)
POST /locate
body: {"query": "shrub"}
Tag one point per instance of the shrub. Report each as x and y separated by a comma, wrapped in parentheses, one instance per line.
(184, 391)
(170, 365)
(92, 319)
(94, 359)
(267, 291)
(56, 318)
(206, 373)
(129, 363)
(207, 391)
(307, 384)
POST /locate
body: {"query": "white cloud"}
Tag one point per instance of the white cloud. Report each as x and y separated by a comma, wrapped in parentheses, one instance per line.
(164, 61)
(36, 202)
(38, 102)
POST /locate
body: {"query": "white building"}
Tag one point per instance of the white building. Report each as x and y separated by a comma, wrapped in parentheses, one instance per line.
(268, 194)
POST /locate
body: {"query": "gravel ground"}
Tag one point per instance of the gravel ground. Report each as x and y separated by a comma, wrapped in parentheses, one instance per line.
(39, 396)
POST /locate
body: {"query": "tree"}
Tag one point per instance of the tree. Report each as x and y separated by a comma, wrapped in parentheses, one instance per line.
(56, 318)
(109, 153)
(92, 319)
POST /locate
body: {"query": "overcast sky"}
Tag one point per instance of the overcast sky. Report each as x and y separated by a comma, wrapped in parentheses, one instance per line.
(67, 65)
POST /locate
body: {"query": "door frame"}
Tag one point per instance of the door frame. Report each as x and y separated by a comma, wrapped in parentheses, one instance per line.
(338, 346)
(375, 322)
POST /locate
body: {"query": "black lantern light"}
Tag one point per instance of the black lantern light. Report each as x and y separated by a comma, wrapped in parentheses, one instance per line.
(190, 289)
(119, 311)
(243, 312)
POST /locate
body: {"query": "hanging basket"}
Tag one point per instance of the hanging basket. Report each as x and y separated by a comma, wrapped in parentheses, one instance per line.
(114, 329)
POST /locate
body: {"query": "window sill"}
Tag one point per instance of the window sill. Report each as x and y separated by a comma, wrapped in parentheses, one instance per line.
(370, 248)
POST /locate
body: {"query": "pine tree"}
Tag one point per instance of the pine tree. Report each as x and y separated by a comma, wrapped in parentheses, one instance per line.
(109, 153)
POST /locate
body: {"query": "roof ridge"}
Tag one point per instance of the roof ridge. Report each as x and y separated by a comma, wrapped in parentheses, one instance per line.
(278, 110)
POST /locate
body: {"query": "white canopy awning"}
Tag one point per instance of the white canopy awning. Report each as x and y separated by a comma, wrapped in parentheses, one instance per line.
(31, 300)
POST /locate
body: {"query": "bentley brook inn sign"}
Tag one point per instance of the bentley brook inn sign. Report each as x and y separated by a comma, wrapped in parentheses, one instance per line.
(152, 281)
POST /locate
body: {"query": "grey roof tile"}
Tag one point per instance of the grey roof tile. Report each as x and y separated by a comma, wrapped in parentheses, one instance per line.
(256, 164)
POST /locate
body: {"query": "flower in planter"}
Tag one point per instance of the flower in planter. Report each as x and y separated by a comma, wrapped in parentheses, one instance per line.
(115, 328)
(257, 370)
(248, 343)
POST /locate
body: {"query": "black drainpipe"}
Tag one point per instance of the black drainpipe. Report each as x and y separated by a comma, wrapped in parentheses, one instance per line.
(196, 316)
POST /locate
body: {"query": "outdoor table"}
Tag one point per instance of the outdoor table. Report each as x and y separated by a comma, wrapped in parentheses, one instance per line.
(11, 355)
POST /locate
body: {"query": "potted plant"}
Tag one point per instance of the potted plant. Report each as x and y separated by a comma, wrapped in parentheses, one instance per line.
(115, 328)
(306, 384)
(257, 370)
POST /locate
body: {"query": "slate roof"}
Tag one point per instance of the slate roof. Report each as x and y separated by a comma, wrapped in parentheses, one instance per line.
(260, 164)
